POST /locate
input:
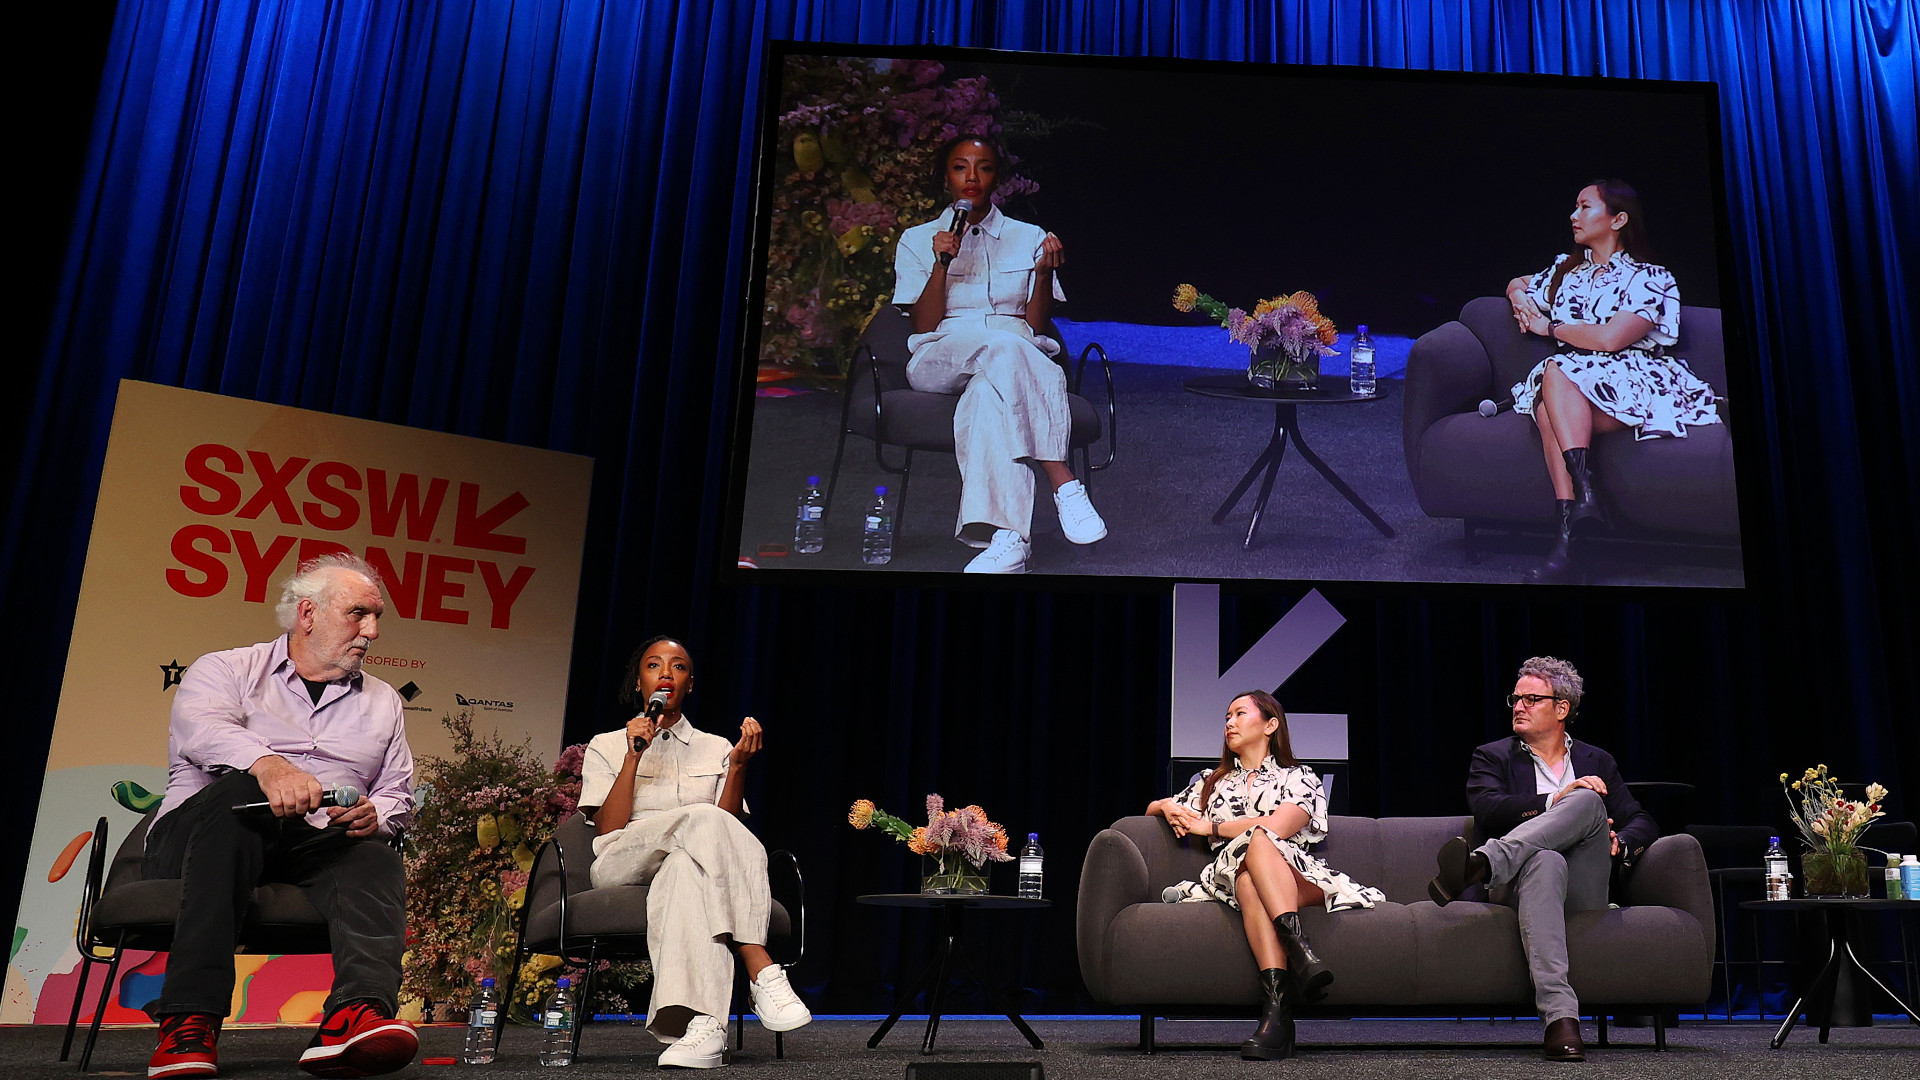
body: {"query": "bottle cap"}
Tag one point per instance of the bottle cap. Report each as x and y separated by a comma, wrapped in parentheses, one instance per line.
(1033, 838)
(813, 481)
(1772, 840)
(486, 982)
(564, 983)
(1363, 328)
(881, 490)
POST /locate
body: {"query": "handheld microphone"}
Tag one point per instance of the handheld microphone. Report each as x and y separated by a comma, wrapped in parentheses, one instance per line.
(961, 208)
(656, 704)
(1490, 408)
(342, 795)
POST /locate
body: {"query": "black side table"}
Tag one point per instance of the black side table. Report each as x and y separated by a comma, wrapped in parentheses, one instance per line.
(1819, 994)
(1333, 390)
(934, 980)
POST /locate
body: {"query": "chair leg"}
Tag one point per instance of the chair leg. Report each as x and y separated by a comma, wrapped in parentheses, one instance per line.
(100, 1008)
(583, 1007)
(1602, 1018)
(779, 1046)
(79, 995)
(900, 504)
(839, 452)
(1146, 1033)
(1660, 1031)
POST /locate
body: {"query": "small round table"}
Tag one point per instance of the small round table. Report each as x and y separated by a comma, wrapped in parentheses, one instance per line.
(1333, 390)
(934, 980)
(1819, 995)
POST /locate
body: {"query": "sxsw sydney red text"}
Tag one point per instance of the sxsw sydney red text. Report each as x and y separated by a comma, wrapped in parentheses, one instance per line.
(420, 516)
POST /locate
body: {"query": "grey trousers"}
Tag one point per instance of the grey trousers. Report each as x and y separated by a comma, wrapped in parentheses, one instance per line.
(1547, 866)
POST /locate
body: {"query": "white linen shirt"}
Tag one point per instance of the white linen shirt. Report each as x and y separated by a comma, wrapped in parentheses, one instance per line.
(992, 275)
(681, 766)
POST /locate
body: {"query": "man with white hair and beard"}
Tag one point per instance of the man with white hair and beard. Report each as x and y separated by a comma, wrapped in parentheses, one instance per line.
(279, 723)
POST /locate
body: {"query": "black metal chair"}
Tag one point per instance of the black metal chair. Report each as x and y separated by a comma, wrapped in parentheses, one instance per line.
(1733, 870)
(877, 404)
(565, 916)
(119, 910)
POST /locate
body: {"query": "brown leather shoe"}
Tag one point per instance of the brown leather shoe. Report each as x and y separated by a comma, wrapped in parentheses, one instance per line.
(1460, 867)
(1563, 1041)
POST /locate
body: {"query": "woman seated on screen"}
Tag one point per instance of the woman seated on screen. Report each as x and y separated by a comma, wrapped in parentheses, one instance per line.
(1612, 313)
(979, 299)
(665, 798)
(1259, 811)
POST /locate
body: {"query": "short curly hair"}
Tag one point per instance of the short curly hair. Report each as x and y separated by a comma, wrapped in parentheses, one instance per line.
(1562, 676)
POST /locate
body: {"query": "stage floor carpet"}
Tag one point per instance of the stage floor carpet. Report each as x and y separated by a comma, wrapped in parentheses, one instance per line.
(1086, 1048)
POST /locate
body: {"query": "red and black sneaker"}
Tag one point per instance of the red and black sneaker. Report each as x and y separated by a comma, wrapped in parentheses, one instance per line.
(186, 1046)
(360, 1039)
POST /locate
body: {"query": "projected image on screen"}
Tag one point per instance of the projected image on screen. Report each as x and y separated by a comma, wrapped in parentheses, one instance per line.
(1105, 318)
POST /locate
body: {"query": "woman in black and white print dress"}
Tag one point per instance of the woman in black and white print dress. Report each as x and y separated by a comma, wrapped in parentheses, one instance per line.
(1260, 810)
(1613, 316)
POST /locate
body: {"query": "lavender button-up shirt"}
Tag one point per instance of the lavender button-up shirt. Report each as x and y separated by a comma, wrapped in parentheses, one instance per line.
(235, 707)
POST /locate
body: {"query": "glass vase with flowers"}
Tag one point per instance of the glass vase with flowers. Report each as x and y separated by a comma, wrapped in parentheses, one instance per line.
(1831, 825)
(956, 844)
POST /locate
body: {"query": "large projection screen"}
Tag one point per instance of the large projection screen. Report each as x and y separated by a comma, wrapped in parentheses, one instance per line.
(1403, 201)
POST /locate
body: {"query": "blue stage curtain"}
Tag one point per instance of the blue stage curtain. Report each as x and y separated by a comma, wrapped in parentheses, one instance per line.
(527, 222)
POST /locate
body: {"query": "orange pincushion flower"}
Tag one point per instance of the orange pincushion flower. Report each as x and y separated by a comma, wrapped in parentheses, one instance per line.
(999, 839)
(918, 845)
(1184, 297)
(861, 815)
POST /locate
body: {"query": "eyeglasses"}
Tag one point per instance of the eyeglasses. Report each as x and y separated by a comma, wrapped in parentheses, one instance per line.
(1531, 699)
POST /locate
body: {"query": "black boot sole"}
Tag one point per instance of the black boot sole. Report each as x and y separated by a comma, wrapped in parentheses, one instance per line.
(1252, 1051)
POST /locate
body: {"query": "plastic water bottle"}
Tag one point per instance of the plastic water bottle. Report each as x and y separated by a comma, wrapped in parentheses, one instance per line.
(876, 536)
(1360, 363)
(1896, 890)
(809, 520)
(556, 1045)
(1032, 867)
(1779, 880)
(483, 1025)
(1910, 877)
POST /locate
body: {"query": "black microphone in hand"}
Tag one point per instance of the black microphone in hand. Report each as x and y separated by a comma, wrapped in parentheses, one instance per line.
(656, 704)
(341, 795)
(961, 208)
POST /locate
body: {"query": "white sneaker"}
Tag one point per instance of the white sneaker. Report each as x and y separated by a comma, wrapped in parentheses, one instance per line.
(775, 1003)
(1007, 554)
(704, 1046)
(1078, 519)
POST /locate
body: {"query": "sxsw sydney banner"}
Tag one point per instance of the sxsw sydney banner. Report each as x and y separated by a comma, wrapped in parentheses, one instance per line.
(206, 504)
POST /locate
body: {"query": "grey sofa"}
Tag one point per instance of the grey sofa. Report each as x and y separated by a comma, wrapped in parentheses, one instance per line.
(1407, 954)
(1488, 471)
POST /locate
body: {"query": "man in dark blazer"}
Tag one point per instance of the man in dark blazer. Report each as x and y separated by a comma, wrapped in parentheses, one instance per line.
(1558, 813)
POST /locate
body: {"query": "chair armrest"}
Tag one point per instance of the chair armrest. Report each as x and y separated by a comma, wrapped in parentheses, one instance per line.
(1113, 877)
(798, 909)
(1673, 873)
(1449, 371)
(1113, 411)
(92, 887)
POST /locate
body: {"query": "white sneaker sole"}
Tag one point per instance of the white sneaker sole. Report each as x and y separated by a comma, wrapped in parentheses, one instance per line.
(670, 1060)
(788, 1024)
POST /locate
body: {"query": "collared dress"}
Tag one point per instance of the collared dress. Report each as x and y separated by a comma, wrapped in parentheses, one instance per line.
(707, 874)
(1242, 794)
(1013, 396)
(1641, 386)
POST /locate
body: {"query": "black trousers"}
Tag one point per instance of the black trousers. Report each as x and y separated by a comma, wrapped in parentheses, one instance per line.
(219, 855)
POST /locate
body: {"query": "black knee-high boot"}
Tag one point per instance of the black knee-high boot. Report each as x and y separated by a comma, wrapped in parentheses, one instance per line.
(1273, 1039)
(1310, 975)
(1588, 516)
(1559, 564)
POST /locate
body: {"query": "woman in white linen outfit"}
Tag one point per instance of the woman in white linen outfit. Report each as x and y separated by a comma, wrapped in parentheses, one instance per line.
(1260, 811)
(978, 299)
(1613, 314)
(665, 798)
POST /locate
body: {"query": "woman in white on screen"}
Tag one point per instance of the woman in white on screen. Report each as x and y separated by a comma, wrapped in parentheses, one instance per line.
(666, 800)
(979, 298)
(1613, 313)
(1260, 810)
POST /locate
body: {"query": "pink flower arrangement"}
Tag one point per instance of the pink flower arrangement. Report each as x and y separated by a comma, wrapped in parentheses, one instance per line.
(966, 832)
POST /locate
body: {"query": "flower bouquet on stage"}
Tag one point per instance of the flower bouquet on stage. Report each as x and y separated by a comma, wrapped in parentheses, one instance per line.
(1831, 825)
(956, 844)
(1285, 336)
